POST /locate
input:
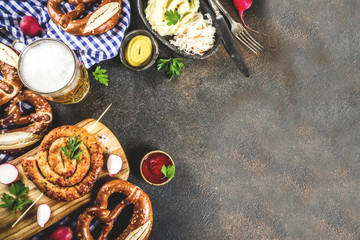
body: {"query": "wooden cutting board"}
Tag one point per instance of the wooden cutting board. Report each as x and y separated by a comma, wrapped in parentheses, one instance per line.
(28, 226)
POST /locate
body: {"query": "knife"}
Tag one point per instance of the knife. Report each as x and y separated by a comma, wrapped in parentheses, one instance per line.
(228, 40)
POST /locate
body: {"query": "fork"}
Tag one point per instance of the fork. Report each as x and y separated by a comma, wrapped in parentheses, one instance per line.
(240, 32)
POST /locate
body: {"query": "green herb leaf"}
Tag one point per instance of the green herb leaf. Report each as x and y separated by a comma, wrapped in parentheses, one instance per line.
(4, 205)
(72, 151)
(21, 202)
(168, 171)
(178, 62)
(8, 200)
(171, 65)
(65, 151)
(163, 64)
(19, 190)
(23, 192)
(172, 17)
(77, 155)
(77, 145)
(101, 76)
(163, 170)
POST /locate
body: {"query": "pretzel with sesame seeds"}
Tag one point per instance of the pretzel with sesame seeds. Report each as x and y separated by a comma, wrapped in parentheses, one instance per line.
(10, 85)
(105, 17)
(140, 223)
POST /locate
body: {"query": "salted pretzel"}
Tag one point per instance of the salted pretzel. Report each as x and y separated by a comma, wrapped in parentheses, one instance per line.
(11, 84)
(140, 223)
(55, 174)
(105, 17)
(23, 130)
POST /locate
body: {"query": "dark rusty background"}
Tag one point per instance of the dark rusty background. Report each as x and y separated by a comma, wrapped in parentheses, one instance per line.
(274, 156)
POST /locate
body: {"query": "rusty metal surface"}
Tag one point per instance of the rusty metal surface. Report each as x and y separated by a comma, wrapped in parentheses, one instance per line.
(275, 156)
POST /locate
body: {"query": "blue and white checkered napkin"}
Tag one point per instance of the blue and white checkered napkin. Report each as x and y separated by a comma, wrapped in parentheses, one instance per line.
(89, 49)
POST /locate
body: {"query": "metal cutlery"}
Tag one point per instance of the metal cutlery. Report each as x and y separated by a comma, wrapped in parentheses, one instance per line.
(229, 41)
(239, 31)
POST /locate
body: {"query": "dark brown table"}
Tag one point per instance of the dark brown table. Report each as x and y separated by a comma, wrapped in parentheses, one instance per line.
(274, 156)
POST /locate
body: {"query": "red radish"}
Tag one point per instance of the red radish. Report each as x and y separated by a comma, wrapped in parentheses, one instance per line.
(62, 233)
(43, 214)
(241, 6)
(8, 173)
(114, 164)
(30, 26)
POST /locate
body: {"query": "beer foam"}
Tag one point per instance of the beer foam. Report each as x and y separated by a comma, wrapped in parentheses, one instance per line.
(47, 66)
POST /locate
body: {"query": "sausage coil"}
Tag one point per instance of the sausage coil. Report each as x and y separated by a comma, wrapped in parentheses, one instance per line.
(58, 177)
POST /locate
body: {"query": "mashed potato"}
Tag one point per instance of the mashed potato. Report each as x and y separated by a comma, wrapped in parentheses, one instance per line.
(155, 14)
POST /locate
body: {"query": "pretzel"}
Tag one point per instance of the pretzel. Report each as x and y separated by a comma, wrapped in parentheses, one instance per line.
(32, 126)
(58, 177)
(140, 223)
(101, 20)
(11, 83)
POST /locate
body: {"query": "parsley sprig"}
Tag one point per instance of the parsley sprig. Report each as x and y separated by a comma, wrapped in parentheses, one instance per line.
(72, 151)
(168, 171)
(19, 190)
(101, 76)
(171, 65)
(172, 17)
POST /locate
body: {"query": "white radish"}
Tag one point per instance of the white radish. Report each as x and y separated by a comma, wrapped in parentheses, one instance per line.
(43, 214)
(114, 164)
(8, 173)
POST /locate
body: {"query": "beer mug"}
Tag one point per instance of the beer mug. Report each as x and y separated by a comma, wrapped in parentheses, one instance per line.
(49, 67)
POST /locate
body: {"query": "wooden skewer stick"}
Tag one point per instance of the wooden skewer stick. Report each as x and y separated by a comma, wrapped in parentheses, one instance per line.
(27, 210)
(43, 193)
(91, 128)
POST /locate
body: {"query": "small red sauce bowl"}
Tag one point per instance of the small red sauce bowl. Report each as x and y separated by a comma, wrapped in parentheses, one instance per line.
(150, 167)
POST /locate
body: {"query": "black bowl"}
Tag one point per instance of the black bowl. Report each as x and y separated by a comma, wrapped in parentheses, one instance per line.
(127, 38)
(204, 8)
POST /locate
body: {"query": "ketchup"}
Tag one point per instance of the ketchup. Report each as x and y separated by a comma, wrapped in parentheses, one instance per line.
(151, 167)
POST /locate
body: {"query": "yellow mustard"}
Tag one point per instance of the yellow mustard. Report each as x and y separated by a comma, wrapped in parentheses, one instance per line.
(138, 51)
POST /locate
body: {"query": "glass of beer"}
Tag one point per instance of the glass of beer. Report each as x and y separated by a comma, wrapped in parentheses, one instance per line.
(49, 67)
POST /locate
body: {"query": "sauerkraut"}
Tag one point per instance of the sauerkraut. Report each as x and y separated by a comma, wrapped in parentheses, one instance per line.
(196, 36)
